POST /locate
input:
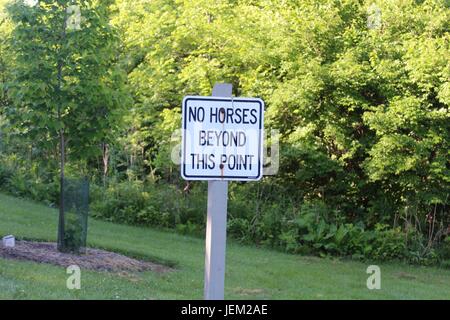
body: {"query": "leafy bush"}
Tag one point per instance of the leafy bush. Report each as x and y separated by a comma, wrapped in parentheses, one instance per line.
(444, 253)
(21, 180)
(133, 202)
(316, 231)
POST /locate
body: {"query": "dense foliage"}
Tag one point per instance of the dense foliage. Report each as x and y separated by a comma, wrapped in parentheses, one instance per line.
(359, 91)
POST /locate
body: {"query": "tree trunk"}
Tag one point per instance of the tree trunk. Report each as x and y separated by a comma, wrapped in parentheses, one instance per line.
(62, 147)
(61, 225)
(105, 149)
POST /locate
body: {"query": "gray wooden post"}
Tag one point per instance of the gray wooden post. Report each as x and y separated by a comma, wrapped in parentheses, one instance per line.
(216, 226)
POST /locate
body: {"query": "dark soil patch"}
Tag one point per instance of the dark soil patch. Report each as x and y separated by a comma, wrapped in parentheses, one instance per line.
(93, 259)
(404, 275)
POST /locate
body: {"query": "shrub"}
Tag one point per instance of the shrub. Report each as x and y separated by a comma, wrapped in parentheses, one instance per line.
(316, 231)
(271, 219)
(444, 253)
(134, 202)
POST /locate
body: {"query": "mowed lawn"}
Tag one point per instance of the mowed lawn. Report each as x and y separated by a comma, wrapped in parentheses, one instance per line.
(252, 273)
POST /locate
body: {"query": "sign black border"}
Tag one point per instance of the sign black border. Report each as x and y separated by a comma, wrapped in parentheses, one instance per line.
(224, 178)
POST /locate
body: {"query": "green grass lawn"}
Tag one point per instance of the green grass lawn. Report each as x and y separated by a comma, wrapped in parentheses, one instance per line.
(252, 273)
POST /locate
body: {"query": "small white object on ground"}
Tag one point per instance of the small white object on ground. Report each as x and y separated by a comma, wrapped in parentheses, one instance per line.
(9, 241)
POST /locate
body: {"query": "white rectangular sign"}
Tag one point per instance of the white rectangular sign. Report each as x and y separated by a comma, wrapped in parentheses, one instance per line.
(222, 138)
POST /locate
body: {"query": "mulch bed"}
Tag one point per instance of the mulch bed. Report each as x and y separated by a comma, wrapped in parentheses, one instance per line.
(93, 259)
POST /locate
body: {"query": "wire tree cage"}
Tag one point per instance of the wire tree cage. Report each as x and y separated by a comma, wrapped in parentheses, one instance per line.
(72, 233)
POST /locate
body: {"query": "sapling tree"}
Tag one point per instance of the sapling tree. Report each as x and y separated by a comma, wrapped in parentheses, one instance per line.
(66, 89)
(4, 31)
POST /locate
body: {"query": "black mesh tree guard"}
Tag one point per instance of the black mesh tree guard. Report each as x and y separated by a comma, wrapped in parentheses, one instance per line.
(72, 237)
